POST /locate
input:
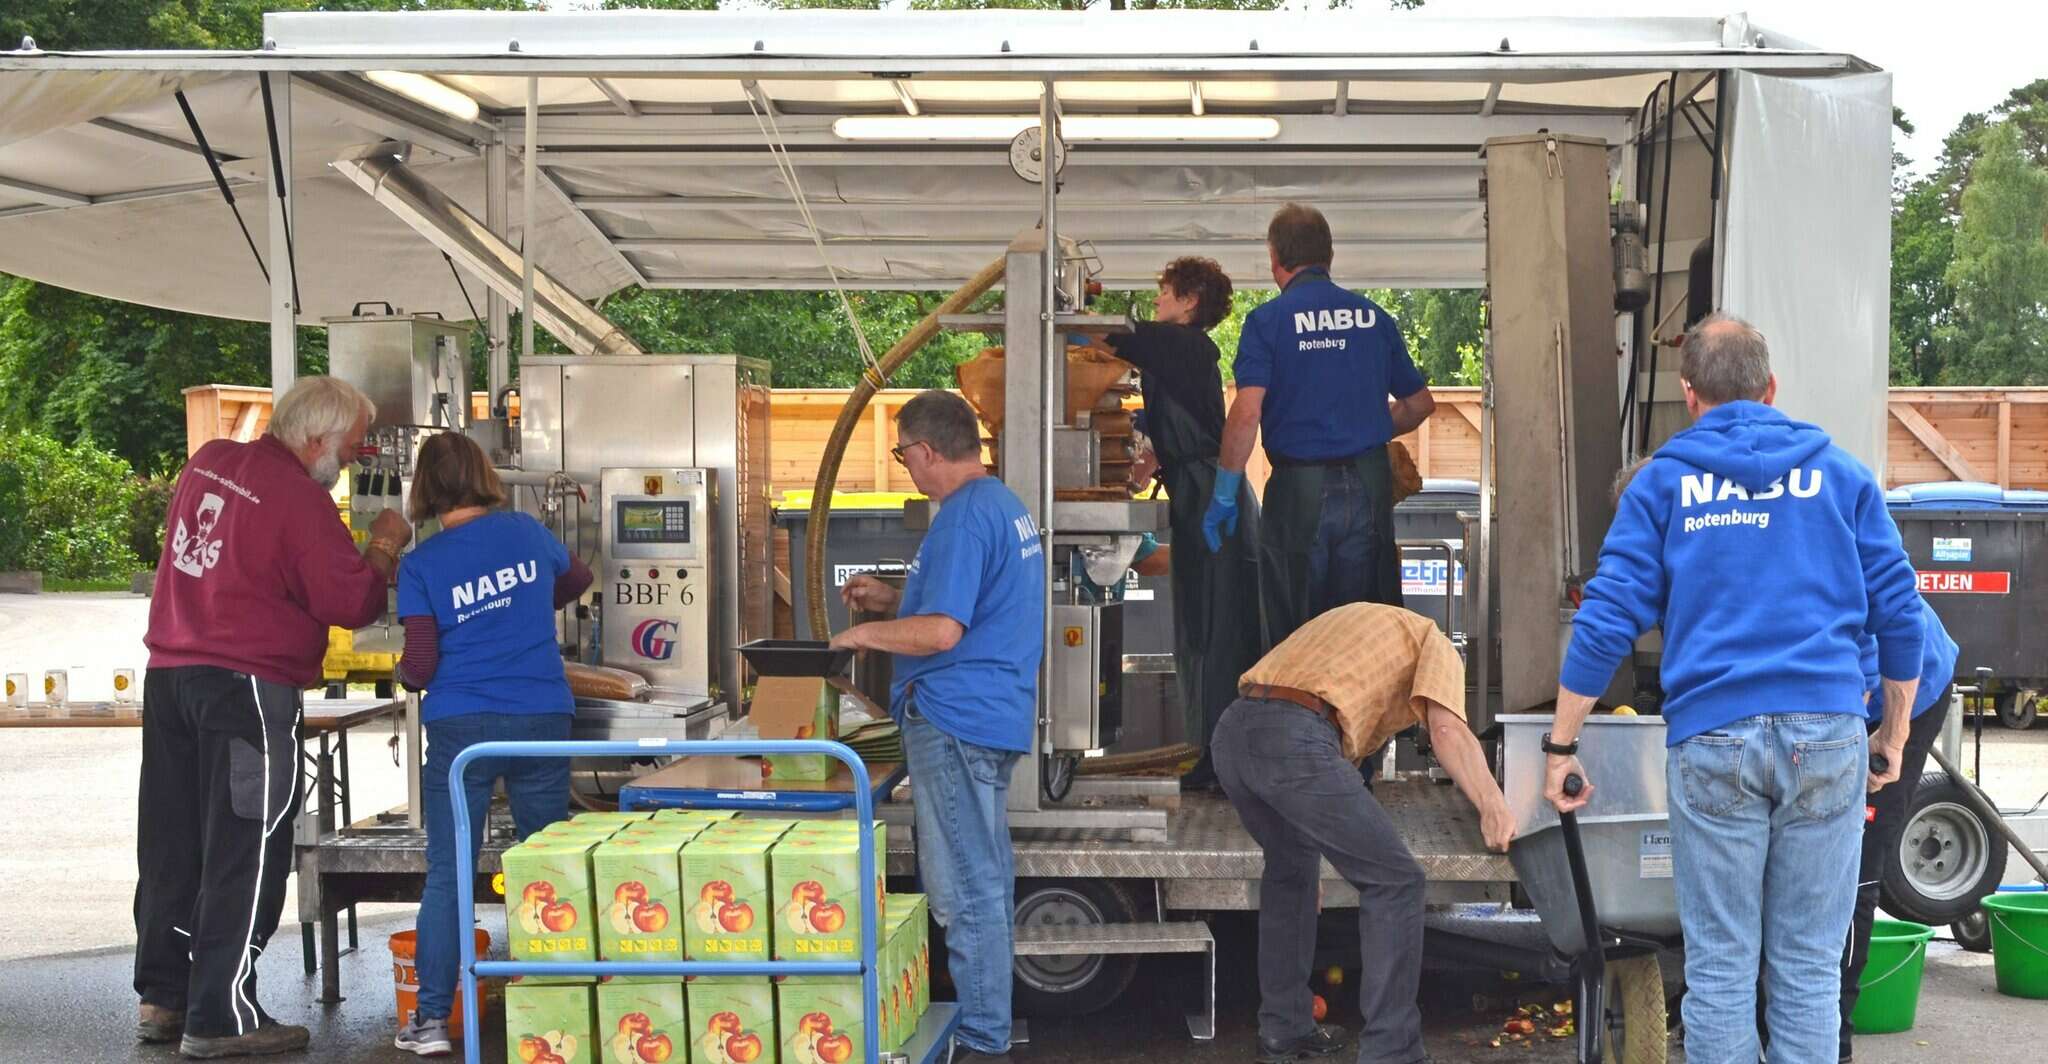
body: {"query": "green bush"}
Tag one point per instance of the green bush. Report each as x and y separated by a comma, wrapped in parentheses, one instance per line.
(65, 510)
(152, 502)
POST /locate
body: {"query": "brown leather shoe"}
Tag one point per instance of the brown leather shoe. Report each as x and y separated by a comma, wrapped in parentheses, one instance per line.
(264, 1040)
(154, 1023)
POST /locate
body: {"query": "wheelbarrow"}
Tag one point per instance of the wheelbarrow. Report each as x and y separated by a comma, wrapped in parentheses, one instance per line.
(1607, 869)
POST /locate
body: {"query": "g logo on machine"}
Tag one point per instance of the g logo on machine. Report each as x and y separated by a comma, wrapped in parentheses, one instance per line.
(655, 639)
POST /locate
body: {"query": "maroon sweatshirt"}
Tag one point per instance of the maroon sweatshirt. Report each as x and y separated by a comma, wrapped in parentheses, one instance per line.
(257, 565)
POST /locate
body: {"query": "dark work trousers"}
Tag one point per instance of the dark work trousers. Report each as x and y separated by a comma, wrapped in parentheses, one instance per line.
(1217, 633)
(1327, 539)
(220, 786)
(1283, 767)
(1880, 836)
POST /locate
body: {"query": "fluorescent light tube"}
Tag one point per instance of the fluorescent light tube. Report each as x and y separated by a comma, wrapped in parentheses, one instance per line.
(424, 90)
(1072, 128)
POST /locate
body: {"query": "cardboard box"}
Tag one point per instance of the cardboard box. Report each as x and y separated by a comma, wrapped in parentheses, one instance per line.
(892, 977)
(822, 1020)
(732, 1021)
(549, 914)
(611, 818)
(643, 1023)
(800, 707)
(705, 815)
(639, 884)
(725, 891)
(820, 901)
(544, 1024)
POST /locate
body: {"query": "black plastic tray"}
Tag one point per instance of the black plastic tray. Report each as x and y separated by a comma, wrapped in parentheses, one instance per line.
(796, 657)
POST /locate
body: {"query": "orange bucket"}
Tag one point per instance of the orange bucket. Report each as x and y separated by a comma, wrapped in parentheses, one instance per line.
(406, 979)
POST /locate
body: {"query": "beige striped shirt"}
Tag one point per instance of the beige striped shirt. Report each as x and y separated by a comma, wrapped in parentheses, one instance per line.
(1380, 666)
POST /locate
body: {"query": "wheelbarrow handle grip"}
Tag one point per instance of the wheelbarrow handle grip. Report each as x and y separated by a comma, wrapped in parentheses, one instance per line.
(1573, 784)
(1879, 763)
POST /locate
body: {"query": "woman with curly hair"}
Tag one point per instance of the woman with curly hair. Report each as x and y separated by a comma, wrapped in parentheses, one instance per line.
(1216, 622)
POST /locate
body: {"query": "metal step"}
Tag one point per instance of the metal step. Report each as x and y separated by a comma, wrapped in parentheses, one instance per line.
(1180, 936)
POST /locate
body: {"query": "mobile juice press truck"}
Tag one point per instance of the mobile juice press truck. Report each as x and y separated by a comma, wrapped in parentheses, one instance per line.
(1607, 181)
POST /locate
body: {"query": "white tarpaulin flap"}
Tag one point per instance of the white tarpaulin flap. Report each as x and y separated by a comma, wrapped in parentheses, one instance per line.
(37, 102)
(1809, 242)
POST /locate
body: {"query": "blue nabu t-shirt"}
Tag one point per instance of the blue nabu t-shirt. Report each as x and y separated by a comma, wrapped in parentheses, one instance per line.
(489, 584)
(981, 563)
(1328, 358)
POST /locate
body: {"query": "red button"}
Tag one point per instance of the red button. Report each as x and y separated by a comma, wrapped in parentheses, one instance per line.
(653, 574)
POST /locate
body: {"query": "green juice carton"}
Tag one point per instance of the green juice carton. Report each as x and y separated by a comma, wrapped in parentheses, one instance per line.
(725, 894)
(545, 1024)
(917, 914)
(822, 1019)
(819, 898)
(732, 1020)
(796, 707)
(639, 885)
(700, 815)
(549, 911)
(890, 971)
(643, 1023)
(608, 818)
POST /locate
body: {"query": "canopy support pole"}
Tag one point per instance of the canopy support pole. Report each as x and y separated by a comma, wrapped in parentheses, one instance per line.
(526, 250)
(497, 214)
(284, 311)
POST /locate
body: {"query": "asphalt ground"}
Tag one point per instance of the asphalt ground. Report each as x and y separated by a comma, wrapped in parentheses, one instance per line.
(67, 816)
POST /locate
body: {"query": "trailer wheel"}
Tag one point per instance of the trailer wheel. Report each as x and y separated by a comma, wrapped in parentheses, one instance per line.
(1072, 984)
(2017, 709)
(1947, 859)
(1973, 932)
(1637, 1016)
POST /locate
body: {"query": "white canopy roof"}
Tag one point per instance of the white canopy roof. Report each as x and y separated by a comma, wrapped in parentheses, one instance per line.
(655, 170)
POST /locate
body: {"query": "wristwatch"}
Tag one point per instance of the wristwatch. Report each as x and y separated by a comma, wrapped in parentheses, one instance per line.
(1562, 749)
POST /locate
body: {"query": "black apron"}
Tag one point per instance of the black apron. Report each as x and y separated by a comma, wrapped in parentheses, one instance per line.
(1217, 634)
(1293, 510)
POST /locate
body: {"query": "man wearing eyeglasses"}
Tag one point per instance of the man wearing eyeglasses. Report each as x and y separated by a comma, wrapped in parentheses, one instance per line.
(967, 636)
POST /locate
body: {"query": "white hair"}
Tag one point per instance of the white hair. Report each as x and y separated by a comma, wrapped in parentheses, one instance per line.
(319, 408)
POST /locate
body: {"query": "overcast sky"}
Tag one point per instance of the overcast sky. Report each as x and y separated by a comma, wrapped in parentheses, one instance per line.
(1947, 59)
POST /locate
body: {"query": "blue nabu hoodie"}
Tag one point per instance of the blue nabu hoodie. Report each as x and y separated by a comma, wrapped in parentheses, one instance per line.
(1764, 552)
(1938, 653)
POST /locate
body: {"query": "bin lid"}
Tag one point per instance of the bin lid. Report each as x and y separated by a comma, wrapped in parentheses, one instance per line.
(1952, 495)
(2026, 499)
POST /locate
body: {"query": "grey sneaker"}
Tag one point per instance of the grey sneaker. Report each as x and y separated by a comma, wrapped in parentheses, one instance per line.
(427, 1038)
(154, 1023)
(263, 1041)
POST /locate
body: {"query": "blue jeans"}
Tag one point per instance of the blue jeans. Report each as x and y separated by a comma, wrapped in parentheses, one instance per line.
(1766, 825)
(963, 855)
(539, 792)
(1346, 547)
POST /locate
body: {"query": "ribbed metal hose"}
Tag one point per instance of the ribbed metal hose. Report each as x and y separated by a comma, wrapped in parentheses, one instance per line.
(849, 419)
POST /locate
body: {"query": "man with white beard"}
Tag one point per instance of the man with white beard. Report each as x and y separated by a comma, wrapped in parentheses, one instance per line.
(256, 567)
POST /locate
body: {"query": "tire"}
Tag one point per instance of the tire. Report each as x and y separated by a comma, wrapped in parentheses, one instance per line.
(1638, 1024)
(1072, 985)
(1947, 858)
(1973, 932)
(2017, 709)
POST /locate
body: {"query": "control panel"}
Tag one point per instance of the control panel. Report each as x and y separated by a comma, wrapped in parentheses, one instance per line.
(656, 607)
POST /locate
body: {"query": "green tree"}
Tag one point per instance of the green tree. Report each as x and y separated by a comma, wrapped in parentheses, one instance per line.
(2000, 269)
(80, 501)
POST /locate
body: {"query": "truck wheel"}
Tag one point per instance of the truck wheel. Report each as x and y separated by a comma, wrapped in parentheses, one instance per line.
(1635, 992)
(1973, 932)
(2016, 709)
(1947, 859)
(1072, 984)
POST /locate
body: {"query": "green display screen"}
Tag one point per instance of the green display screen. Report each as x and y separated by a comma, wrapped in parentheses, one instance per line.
(644, 518)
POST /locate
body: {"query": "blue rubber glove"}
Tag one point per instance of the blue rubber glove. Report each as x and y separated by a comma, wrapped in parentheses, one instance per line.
(1221, 520)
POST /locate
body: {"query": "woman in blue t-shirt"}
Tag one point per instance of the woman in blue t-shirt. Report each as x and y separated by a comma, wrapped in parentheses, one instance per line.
(478, 601)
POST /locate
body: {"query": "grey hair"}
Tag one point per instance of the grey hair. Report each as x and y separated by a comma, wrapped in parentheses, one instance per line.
(1724, 360)
(944, 421)
(319, 408)
(1623, 478)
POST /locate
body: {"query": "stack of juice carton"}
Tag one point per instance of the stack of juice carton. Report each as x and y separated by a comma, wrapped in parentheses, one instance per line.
(705, 886)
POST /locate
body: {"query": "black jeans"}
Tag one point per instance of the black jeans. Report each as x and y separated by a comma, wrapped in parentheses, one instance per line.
(220, 786)
(1284, 769)
(1881, 836)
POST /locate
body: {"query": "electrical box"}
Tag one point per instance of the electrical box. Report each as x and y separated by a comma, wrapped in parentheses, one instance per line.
(415, 367)
(657, 536)
(1086, 702)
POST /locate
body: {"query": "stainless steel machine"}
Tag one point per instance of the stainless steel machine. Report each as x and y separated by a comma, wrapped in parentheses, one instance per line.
(415, 368)
(673, 452)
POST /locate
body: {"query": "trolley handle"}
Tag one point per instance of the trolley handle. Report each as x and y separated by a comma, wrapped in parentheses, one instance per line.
(1590, 965)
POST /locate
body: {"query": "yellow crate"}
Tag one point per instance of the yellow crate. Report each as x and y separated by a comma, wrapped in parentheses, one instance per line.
(343, 663)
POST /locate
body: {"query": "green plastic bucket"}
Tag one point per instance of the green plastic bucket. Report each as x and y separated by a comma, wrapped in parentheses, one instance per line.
(1890, 989)
(2019, 943)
